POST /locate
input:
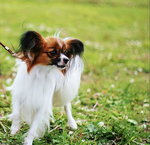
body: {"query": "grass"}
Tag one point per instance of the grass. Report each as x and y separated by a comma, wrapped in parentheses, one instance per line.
(113, 102)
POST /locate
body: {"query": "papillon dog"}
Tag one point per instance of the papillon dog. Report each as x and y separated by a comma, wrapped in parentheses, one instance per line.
(48, 75)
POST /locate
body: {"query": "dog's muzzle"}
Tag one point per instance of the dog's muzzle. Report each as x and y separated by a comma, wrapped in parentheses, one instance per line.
(63, 61)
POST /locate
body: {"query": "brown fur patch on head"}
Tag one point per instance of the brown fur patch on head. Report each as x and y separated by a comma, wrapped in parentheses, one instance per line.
(51, 52)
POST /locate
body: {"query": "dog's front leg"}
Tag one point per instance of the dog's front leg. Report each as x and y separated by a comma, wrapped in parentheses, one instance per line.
(33, 132)
(41, 118)
(71, 122)
(15, 117)
(38, 126)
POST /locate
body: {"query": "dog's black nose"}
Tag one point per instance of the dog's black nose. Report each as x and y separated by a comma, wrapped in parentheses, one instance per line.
(65, 60)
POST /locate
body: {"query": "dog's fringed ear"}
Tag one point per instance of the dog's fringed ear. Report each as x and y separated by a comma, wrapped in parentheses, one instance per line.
(31, 43)
(75, 45)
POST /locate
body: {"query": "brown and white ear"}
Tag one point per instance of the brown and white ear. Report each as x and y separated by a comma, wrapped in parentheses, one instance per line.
(31, 44)
(75, 45)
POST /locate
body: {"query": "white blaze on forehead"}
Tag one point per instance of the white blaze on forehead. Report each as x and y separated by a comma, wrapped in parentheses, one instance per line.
(60, 43)
(62, 56)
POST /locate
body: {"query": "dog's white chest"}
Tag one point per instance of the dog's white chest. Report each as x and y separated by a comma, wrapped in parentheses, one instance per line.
(35, 88)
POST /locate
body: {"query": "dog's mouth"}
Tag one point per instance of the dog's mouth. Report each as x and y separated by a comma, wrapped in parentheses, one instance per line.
(61, 66)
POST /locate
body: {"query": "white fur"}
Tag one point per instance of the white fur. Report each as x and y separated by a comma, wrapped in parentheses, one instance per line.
(35, 94)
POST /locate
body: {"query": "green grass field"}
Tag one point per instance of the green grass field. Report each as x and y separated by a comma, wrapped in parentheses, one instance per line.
(113, 102)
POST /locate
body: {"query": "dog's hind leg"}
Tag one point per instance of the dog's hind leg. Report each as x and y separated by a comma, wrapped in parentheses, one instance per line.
(71, 122)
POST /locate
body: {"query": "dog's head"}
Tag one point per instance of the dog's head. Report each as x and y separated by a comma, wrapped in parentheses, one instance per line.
(48, 51)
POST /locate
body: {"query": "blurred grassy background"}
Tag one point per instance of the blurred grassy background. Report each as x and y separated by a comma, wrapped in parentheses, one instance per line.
(113, 101)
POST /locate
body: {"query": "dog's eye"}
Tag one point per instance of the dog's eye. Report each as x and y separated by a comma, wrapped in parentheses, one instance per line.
(66, 52)
(53, 52)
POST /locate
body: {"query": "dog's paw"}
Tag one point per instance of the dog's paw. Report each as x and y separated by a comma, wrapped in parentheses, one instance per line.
(14, 129)
(27, 141)
(72, 124)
